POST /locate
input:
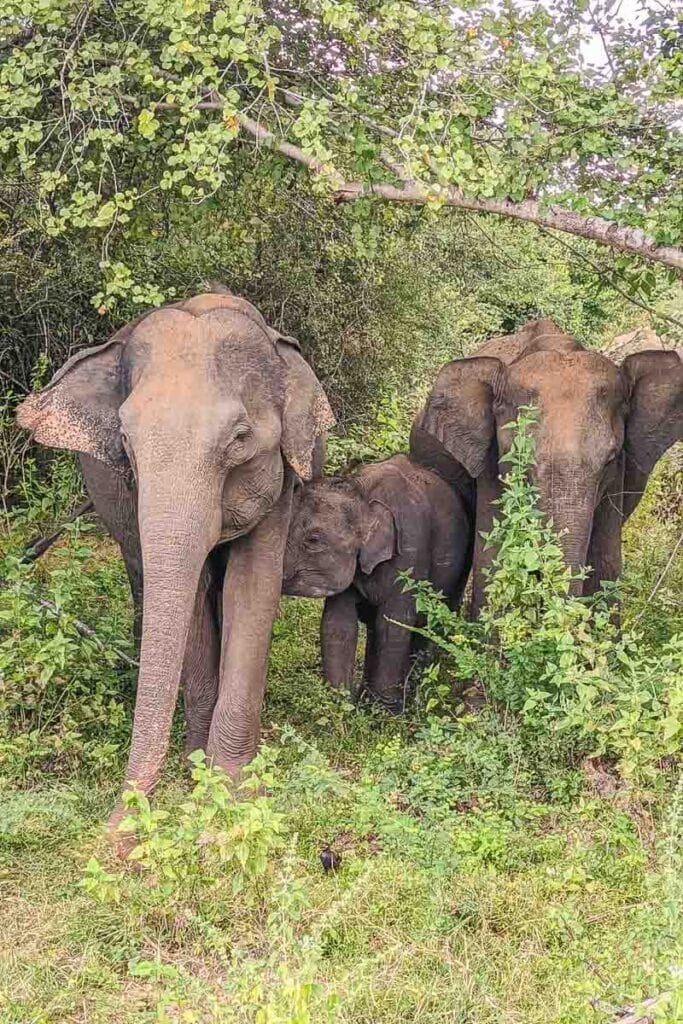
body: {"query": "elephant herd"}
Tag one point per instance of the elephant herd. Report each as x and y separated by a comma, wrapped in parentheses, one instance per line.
(200, 434)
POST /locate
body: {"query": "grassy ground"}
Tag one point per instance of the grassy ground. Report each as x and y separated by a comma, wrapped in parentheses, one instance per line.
(483, 879)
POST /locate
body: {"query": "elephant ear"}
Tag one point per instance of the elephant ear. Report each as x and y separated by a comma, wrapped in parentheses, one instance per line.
(655, 419)
(459, 412)
(380, 537)
(79, 408)
(307, 414)
(399, 510)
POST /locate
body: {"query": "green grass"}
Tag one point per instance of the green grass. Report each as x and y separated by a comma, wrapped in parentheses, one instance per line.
(483, 879)
(521, 906)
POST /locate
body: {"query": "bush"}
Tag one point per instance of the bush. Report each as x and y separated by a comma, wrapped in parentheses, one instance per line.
(216, 860)
(65, 701)
(560, 662)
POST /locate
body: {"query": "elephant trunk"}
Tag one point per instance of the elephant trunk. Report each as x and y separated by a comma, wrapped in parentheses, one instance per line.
(571, 504)
(574, 545)
(177, 534)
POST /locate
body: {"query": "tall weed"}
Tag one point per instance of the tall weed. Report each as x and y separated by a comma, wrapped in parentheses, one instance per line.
(64, 697)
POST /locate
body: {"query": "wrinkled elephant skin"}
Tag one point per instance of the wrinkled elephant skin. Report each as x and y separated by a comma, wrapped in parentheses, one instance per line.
(192, 424)
(349, 538)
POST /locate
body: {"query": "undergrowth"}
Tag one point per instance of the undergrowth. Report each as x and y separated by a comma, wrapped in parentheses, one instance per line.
(560, 663)
(517, 862)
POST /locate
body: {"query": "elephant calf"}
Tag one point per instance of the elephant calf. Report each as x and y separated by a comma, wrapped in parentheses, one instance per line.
(348, 539)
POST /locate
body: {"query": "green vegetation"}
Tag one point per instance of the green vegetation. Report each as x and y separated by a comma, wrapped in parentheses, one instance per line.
(512, 849)
(561, 663)
(519, 860)
(111, 110)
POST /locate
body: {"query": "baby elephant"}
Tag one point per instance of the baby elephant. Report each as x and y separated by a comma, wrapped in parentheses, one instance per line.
(349, 537)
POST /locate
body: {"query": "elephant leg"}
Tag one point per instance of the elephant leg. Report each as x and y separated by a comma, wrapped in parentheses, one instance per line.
(115, 501)
(132, 558)
(339, 638)
(488, 491)
(370, 648)
(251, 596)
(604, 549)
(388, 656)
(202, 662)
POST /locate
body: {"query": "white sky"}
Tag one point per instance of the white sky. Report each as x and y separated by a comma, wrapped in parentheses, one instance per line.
(593, 50)
(632, 11)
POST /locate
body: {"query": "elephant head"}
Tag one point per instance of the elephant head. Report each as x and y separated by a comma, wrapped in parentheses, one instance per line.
(337, 530)
(590, 411)
(206, 408)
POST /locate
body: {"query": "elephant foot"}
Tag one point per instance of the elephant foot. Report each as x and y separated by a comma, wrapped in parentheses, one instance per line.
(195, 742)
(391, 702)
(121, 842)
(343, 686)
(232, 768)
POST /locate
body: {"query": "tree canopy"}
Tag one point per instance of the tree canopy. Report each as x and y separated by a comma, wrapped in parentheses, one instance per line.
(113, 106)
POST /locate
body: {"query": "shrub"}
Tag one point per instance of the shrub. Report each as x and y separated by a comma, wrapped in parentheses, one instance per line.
(64, 699)
(560, 662)
(386, 436)
(215, 869)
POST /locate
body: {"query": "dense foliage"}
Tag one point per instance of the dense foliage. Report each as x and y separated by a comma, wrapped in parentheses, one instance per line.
(561, 663)
(111, 107)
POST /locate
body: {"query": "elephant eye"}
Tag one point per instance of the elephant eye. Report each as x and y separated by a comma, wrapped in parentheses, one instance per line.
(239, 435)
(238, 446)
(315, 540)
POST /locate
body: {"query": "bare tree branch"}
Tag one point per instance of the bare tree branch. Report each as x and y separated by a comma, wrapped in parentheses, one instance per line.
(636, 1016)
(626, 239)
(660, 579)
(37, 547)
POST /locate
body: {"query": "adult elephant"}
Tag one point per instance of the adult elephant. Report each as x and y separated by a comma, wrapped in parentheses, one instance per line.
(192, 425)
(601, 429)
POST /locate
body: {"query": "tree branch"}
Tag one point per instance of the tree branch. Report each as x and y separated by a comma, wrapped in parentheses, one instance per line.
(632, 1016)
(39, 545)
(615, 287)
(597, 229)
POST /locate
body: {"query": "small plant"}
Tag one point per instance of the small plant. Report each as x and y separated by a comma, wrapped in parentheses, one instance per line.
(386, 436)
(212, 869)
(211, 836)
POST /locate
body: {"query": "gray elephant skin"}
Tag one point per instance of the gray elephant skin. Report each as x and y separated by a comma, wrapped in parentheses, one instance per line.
(601, 429)
(192, 425)
(350, 537)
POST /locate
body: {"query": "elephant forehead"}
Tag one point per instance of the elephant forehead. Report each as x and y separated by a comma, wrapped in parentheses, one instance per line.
(552, 371)
(174, 330)
(175, 347)
(201, 305)
(325, 502)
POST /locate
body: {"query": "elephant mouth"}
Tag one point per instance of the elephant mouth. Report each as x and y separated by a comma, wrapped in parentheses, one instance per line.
(234, 533)
(240, 525)
(294, 588)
